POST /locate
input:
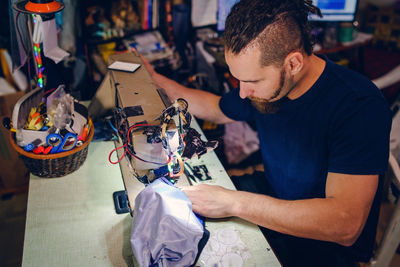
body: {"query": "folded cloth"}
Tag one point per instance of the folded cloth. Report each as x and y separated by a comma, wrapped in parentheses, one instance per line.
(165, 231)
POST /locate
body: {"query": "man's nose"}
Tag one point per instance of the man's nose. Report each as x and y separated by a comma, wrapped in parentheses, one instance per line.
(245, 91)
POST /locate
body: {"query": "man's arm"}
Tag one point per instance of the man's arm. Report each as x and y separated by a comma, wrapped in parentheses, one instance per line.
(340, 217)
(202, 104)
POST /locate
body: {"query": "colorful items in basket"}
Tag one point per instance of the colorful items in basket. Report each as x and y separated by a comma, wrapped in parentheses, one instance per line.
(50, 122)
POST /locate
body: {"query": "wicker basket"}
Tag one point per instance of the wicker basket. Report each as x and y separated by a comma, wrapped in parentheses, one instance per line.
(58, 164)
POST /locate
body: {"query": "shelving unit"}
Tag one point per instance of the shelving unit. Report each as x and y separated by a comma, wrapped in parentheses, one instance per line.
(107, 25)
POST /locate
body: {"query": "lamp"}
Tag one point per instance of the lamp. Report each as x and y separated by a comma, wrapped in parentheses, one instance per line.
(41, 10)
(41, 7)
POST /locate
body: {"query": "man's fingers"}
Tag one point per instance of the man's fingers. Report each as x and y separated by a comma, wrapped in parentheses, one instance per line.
(135, 51)
(186, 188)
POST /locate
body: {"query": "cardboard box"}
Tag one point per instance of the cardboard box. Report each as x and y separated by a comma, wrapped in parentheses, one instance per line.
(136, 89)
(13, 172)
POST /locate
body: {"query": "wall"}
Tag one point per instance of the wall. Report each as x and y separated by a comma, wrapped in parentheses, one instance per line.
(364, 3)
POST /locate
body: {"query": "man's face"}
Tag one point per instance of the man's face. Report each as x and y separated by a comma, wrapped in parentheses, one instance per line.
(265, 86)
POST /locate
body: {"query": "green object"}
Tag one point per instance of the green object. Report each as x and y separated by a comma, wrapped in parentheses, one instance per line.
(346, 33)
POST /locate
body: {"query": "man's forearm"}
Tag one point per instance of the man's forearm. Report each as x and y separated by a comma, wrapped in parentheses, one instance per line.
(202, 104)
(323, 219)
(339, 217)
(319, 218)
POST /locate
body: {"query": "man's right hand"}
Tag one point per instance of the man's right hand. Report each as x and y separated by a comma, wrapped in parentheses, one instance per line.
(211, 201)
(146, 63)
(202, 104)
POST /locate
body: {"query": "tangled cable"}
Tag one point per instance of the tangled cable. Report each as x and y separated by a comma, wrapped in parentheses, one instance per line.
(126, 149)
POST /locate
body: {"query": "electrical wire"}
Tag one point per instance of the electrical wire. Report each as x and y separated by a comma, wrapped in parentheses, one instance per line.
(126, 149)
(171, 158)
(23, 47)
(19, 33)
(26, 49)
(49, 91)
(112, 126)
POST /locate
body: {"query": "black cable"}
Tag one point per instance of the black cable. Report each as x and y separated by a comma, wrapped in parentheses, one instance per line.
(19, 33)
(28, 57)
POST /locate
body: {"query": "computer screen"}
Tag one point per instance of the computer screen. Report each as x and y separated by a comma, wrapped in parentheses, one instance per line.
(335, 10)
(224, 7)
(332, 10)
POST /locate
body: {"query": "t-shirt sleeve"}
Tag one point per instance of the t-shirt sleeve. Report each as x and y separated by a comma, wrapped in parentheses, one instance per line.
(359, 138)
(235, 107)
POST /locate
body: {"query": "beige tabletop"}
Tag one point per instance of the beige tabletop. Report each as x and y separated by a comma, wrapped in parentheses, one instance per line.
(71, 221)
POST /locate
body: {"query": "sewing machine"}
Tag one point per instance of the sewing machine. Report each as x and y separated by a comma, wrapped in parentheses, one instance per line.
(155, 135)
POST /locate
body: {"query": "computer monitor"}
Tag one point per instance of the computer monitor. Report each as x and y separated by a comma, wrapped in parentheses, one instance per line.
(224, 7)
(335, 10)
(332, 10)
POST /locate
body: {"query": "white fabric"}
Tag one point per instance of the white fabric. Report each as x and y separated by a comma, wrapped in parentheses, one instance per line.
(239, 141)
(164, 228)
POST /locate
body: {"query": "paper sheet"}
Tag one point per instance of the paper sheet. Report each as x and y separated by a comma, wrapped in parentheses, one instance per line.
(124, 66)
(50, 45)
(204, 12)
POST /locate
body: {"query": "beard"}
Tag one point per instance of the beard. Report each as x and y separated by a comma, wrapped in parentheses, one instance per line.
(266, 106)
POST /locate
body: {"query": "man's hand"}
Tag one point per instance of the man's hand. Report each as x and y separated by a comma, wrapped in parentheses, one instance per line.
(211, 201)
(202, 104)
(147, 65)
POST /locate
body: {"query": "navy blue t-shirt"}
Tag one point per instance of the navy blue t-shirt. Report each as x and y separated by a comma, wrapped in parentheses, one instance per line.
(341, 125)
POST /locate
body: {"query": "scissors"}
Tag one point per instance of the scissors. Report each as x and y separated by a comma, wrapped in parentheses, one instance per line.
(61, 144)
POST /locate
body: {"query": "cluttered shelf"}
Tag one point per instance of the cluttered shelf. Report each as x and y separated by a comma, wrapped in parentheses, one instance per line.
(106, 20)
(92, 41)
(361, 39)
(113, 26)
(150, 44)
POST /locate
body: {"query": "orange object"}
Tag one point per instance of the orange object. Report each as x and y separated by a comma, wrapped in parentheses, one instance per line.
(35, 114)
(38, 119)
(6, 70)
(38, 6)
(84, 134)
(43, 7)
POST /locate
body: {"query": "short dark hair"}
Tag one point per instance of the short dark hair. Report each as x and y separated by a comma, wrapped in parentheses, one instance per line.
(278, 27)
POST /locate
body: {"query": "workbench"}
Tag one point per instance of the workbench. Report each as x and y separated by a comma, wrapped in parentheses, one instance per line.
(71, 221)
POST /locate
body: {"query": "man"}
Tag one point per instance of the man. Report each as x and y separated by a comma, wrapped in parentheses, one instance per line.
(324, 137)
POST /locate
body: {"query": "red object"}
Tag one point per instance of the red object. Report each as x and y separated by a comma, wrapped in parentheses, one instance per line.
(84, 134)
(38, 150)
(43, 7)
(38, 6)
(47, 150)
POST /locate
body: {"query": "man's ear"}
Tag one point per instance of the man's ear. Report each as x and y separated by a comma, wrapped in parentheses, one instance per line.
(294, 62)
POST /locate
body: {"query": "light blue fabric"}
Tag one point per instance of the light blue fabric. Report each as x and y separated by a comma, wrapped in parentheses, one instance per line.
(164, 228)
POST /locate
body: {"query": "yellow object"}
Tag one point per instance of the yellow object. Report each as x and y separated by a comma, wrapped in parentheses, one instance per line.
(208, 125)
(35, 124)
(33, 111)
(6, 70)
(106, 50)
(182, 117)
(343, 62)
(34, 121)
